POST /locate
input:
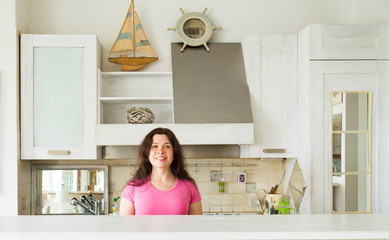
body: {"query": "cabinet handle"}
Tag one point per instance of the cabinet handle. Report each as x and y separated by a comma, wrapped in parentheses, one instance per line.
(274, 150)
(58, 152)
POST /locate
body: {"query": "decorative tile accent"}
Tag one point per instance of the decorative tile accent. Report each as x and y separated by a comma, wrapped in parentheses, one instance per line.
(216, 176)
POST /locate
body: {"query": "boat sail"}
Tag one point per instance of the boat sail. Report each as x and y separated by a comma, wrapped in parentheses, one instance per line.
(131, 49)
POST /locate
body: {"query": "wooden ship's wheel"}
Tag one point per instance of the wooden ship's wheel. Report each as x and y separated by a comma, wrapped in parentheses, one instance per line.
(194, 29)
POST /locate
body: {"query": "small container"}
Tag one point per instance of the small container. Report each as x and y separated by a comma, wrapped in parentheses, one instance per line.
(75, 210)
(283, 208)
(115, 206)
(221, 184)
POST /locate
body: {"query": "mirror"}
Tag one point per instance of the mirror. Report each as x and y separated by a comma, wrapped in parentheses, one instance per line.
(55, 186)
(351, 152)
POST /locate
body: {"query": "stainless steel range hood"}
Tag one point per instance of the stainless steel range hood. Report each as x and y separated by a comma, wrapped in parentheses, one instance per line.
(210, 87)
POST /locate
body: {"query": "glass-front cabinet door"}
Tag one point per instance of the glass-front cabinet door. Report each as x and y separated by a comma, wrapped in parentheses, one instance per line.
(58, 96)
(350, 137)
(351, 152)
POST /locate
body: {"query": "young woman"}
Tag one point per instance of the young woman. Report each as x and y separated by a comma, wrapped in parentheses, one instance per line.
(161, 185)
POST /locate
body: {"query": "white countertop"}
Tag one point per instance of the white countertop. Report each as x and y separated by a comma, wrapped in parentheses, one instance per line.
(317, 226)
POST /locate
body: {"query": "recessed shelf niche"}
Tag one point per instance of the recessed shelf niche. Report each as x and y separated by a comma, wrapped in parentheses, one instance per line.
(119, 91)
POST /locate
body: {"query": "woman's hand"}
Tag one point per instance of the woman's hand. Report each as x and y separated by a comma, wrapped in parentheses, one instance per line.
(126, 207)
(195, 208)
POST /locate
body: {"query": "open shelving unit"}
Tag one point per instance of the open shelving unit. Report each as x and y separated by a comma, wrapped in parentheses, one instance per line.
(119, 91)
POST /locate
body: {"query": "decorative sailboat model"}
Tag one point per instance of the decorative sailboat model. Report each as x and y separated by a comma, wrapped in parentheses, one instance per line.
(131, 49)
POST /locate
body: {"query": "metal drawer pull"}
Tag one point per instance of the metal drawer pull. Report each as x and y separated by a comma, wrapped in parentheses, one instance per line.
(58, 152)
(274, 150)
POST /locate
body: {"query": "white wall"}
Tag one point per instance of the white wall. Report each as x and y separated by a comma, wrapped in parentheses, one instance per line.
(105, 17)
(371, 11)
(8, 109)
(238, 18)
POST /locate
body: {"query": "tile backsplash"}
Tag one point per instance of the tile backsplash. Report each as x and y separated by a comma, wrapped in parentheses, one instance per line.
(237, 197)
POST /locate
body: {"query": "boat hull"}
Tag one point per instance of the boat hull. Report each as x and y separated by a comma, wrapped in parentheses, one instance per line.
(132, 64)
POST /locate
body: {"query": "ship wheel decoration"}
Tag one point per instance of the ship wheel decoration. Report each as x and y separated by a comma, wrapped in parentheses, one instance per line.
(194, 29)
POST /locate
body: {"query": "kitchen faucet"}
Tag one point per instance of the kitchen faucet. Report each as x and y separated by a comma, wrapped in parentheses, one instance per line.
(91, 204)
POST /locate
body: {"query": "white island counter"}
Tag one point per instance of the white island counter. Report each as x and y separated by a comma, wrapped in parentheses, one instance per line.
(372, 226)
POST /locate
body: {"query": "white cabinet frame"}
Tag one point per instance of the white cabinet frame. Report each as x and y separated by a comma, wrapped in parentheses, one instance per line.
(360, 54)
(348, 76)
(91, 55)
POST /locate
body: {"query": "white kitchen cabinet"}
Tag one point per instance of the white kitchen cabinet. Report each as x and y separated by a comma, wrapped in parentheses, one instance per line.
(271, 70)
(344, 58)
(348, 41)
(58, 96)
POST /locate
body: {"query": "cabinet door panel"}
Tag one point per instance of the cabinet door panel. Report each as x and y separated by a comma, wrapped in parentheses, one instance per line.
(271, 69)
(58, 97)
(274, 99)
(348, 145)
(348, 41)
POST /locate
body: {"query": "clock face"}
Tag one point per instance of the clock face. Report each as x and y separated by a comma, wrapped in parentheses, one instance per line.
(194, 28)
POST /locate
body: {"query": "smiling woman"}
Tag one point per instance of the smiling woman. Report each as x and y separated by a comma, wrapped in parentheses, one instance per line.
(161, 185)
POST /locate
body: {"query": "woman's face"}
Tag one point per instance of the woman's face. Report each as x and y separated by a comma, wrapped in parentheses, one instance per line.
(161, 151)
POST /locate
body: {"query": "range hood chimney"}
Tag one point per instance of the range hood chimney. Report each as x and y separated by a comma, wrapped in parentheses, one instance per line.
(210, 87)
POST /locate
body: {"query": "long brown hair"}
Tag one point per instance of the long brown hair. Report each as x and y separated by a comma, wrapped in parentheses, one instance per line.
(177, 167)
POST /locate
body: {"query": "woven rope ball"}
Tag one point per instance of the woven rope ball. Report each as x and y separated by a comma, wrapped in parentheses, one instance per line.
(140, 115)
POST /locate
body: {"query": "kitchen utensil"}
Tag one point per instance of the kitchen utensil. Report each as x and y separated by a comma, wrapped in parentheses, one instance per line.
(283, 207)
(270, 202)
(274, 189)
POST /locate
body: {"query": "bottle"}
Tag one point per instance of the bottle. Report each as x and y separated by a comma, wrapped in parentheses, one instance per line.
(75, 209)
(115, 206)
(221, 183)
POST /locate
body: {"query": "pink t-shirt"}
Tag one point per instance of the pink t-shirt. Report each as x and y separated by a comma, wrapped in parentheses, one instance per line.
(148, 200)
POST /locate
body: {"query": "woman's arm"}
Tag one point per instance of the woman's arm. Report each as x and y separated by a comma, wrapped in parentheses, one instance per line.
(195, 208)
(126, 207)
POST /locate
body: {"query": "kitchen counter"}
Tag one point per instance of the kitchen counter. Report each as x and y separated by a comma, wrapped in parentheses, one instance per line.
(353, 226)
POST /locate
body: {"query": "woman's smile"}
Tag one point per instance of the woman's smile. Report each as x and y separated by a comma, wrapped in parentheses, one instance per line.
(161, 151)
